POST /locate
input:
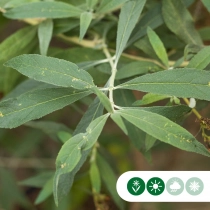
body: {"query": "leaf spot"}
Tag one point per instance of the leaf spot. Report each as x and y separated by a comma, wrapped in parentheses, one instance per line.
(74, 79)
(63, 165)
(19, 104)
(209, 84)
(1, 115)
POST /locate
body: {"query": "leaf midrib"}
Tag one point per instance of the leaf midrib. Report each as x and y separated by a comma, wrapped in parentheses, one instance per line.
(57, 72)
(38, 104)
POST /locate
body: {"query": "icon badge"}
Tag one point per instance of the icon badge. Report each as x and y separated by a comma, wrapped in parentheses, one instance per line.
(136, 186)
(155, 186)
(175, 186)
(194, 186)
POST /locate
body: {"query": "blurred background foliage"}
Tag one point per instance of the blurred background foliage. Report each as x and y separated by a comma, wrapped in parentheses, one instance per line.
(27, 153)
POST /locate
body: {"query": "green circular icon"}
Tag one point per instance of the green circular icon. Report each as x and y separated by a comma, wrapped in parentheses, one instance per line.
(136, 186)
(175, 186)
(194, 186)
(155, 186)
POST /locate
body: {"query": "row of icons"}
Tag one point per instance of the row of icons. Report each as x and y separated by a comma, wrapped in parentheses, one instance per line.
(156, 186)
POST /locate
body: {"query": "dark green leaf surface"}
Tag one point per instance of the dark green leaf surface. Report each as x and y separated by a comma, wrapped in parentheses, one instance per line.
(109, 178)
(45, 34)
(179, 21)
(164, 130)
(153, 18)
(106, 6)
(177, 82)
(43, 10)
(35, 104)
(136, 68)
(85, 20)
(201, 60)
(129, 16)
(51, 70)
(18, 43)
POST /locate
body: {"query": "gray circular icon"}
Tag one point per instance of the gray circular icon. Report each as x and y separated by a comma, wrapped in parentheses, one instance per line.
(175, 186)
(194, 186)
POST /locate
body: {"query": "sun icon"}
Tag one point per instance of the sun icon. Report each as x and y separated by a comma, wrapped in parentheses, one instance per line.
(155, 186)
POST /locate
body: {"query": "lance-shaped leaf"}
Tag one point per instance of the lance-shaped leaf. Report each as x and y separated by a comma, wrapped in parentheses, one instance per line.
(72, 151)
(43, 10)
(51, 70)
(106, 6)
(136, 68)
(150, 98)
(179, 21)
(164, 130)
(152, 18)
(95, 177)
(91, 3)
(177, 82)
(35, 104)
(109, 178)
(104, 99)
(45, 34)
(129, 16)
(63, 186)
(201, 60)
(18, 43)
(85, 20)
(158, 46)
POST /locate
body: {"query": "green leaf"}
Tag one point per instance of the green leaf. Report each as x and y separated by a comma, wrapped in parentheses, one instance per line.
(129, 16)
(52, 129)
(137, 136)
(136, 68)
(91, 3)
(119, 121)
(51, 70)
(206, 4)
(201, 60)
(64, 136)
(185, 83)
(179, 21)
(15, 3)
(95, 178)
(37, 181)
(45, 34)
(46, 191)
(85, 20)
(43, 10)
(149, 142)
(18, 43)
(72, 151)
(107, 6)
(35, 104)
(150, 98)
(104, 99)
(204, 33)
(153, 18)
(109, 178)
(164, 130)
(158, 46)
(64, 25)
(65, 182)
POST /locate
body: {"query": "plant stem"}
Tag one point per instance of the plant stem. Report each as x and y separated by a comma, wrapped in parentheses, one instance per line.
(193, 109)
(112, 78)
